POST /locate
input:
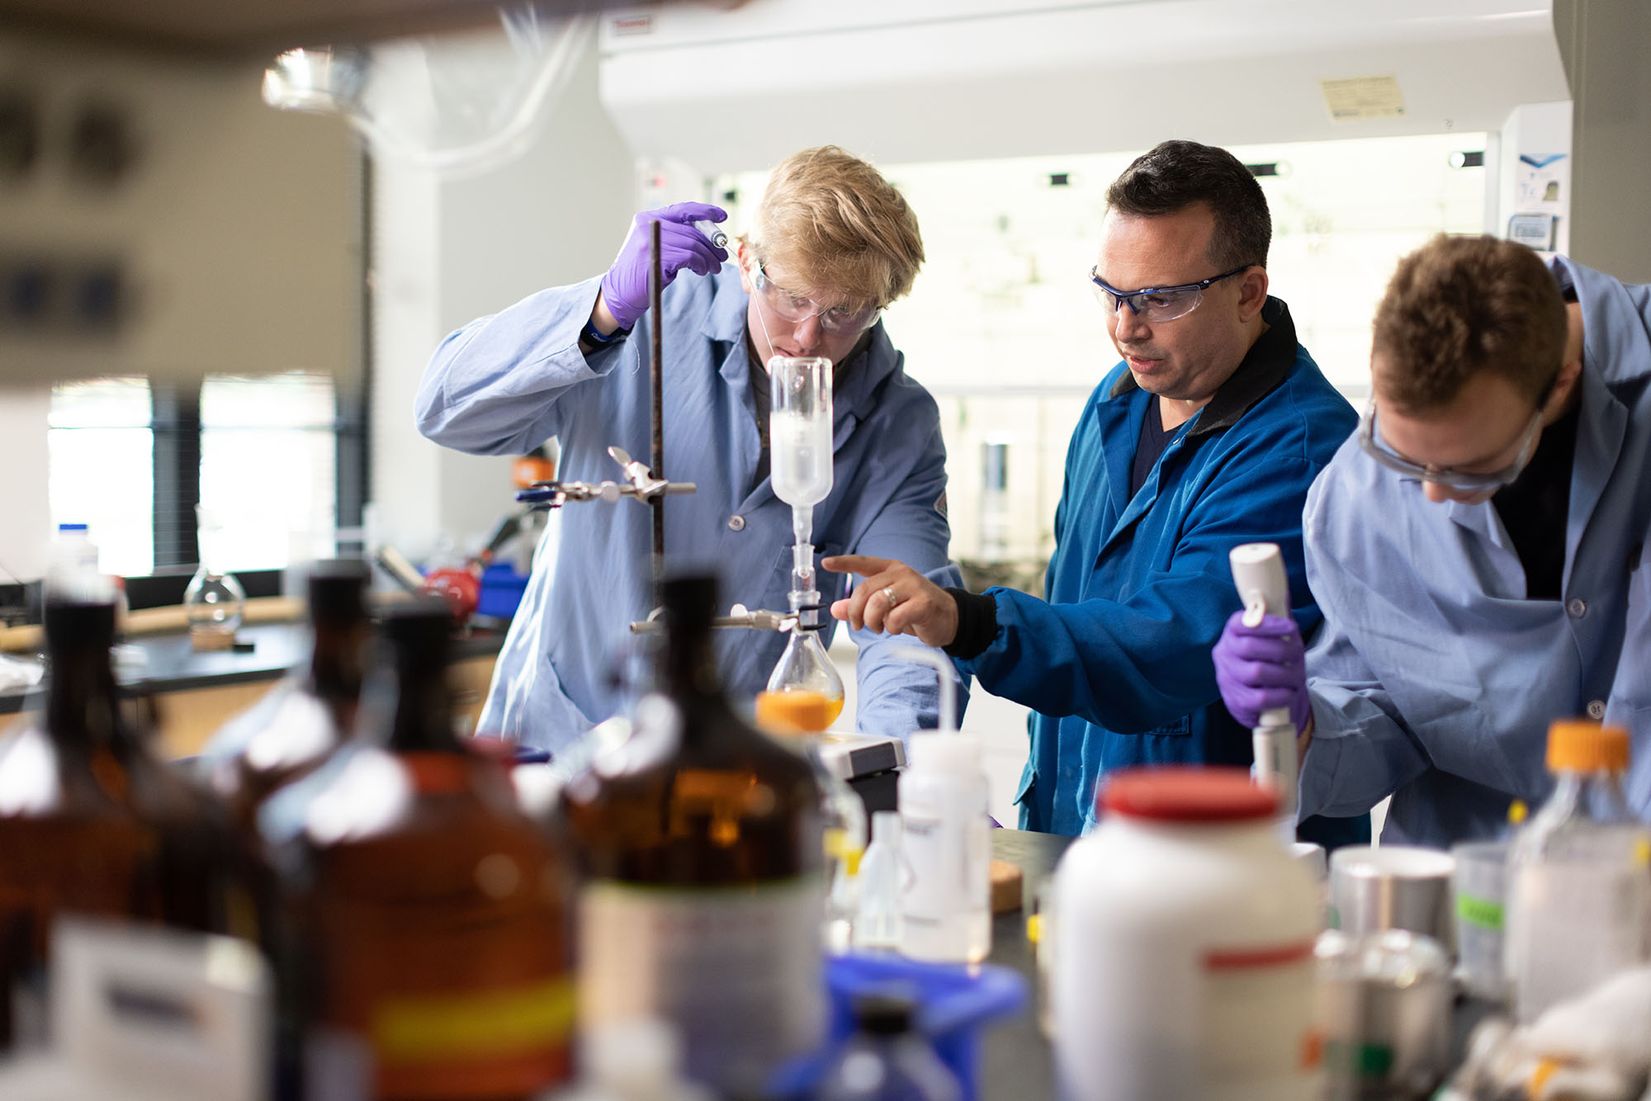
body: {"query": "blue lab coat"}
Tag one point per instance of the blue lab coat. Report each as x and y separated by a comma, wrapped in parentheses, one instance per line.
(1434, 679)
(504, 384)
(1116, 661)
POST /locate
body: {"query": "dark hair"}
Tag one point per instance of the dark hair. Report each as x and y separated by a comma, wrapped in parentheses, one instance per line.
(1461, 305)
(1174, 175)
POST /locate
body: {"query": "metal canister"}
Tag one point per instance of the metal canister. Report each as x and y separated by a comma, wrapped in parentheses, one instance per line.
(1384, 1014)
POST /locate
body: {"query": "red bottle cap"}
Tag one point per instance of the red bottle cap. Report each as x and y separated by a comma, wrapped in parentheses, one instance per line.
(1185, 794)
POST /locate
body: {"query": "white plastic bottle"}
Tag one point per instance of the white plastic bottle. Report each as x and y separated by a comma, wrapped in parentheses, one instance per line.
(73, 567)
(1184, 932)
(946, 850)
(634, 1060)
(877, 921)
(1579, 891)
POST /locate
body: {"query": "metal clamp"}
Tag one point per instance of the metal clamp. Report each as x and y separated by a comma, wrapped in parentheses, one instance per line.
(739, 617)
(640, 485)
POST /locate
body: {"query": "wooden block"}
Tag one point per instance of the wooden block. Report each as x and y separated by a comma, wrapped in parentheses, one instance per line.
(1006, 887)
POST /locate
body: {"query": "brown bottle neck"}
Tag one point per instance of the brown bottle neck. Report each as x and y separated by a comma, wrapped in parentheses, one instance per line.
(691, 679)
(82, 702)
(423, 716)
(337, 662)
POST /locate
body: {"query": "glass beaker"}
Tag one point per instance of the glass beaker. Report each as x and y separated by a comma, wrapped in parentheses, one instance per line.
(799, 429)
(214, 602)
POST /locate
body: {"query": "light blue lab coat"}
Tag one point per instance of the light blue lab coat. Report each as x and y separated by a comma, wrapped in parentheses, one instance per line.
(1434, 679)
(504, 384)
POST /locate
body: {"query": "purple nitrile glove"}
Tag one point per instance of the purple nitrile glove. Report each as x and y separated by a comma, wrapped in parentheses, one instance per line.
(1262, 668)
(625, 287)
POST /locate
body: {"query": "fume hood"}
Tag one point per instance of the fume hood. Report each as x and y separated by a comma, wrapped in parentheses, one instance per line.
(931, 80)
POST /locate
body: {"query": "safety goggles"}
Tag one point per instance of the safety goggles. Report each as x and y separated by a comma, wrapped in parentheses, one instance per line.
(1459, 480)
(1152, 304)
(796, 309)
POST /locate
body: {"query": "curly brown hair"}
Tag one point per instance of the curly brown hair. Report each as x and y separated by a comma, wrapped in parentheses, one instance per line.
(1461, 305)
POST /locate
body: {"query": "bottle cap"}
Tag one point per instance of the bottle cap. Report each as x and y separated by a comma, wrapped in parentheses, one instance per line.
(1576, 745)
(1185, 794)
(337, 590)
(794, 711)
(884, 1013)
(943, 751)
(690, 602)
(74, 623)
(421, 626)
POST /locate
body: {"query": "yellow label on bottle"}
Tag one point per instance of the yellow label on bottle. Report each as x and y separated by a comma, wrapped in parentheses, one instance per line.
(840, 846)
(467, 1025)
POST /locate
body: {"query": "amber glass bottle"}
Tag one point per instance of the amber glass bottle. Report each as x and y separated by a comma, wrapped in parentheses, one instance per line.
(432, 948)
(300, 722)
(91, 824)
(703, 888)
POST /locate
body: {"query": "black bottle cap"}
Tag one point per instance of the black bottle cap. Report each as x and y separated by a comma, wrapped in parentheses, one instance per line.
(690, 600)
(78, 623)
(884, 1013)
(422, 624)
(338, 590)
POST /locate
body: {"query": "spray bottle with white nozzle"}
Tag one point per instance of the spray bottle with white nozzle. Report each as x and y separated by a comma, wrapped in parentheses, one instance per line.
(1258, 572)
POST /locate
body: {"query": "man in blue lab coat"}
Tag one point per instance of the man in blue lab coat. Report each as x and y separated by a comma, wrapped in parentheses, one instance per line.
(833, 243)
(1206, 436)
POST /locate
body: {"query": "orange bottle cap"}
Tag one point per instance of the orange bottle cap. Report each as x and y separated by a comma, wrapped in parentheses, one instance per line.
(1576, 745)
(794, 712)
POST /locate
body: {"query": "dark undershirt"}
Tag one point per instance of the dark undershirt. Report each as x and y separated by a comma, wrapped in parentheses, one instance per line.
(1535, 508)
(762, 399)
(1154, 439)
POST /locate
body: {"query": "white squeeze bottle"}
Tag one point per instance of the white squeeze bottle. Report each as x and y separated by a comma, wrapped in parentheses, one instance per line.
(945, 846)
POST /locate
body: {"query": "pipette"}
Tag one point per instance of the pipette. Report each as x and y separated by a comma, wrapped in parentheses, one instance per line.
(1258, 572)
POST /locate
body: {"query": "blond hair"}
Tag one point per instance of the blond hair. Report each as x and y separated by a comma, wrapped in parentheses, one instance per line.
(836, 227)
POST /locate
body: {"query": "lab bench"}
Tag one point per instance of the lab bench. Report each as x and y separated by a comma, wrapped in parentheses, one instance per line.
(197, 692)
(1016, 1059)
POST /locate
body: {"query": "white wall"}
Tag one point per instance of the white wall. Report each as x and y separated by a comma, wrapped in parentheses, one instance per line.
(450, 250)
(26, 530)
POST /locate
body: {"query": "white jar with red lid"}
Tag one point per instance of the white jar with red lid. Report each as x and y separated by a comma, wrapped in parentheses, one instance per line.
(1183, 954)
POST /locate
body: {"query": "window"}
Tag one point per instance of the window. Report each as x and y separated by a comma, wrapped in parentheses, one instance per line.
(278, 459)
(100, 472)
(269, 465)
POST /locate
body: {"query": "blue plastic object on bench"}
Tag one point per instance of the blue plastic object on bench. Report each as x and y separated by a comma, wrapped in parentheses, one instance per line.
(955, 1004)
(501, 591)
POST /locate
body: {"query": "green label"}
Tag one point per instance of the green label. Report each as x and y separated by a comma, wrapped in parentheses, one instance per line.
(1479, 911)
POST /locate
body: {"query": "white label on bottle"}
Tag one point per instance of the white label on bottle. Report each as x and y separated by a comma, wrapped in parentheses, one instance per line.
(1571, 927)
(736, 970)
(944, 903)
(1257, 1007)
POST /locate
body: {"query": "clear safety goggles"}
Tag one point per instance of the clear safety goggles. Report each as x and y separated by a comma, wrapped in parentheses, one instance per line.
(1152, 304)
(796, 309)
(1459, 480)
